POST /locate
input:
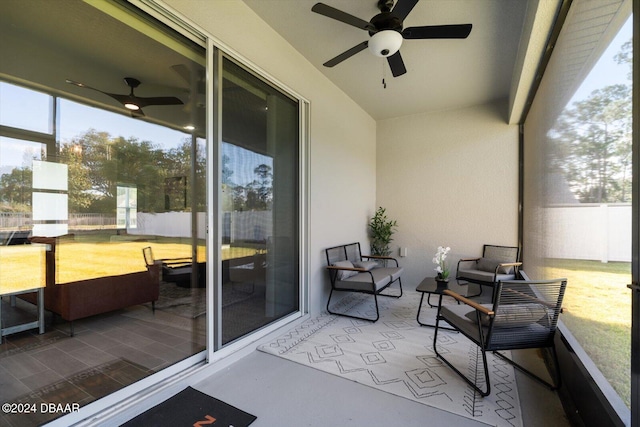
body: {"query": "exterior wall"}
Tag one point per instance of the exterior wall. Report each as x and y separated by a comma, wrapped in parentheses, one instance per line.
(343, 137)
(449, 178)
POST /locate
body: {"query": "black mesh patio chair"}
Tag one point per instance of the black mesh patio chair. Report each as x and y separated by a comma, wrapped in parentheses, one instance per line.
(176, 270)
(350, 271)
(523, 315)
(497, 263)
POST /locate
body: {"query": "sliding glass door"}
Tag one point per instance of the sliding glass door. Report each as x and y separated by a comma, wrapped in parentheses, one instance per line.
(259, 198)
(102, 187)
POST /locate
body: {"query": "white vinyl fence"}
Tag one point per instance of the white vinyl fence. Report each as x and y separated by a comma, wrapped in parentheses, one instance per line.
(236, 226)
(589, 231)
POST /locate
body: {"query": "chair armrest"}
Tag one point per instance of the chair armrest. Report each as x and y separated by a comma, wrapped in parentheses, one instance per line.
(380, 257)
(506, 264)
(470, 303)
(333, 267)
(466, 260)
(510, 264)
(169, 262)
(183, 259)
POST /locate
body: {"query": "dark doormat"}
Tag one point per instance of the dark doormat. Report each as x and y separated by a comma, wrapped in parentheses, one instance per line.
(190, 408)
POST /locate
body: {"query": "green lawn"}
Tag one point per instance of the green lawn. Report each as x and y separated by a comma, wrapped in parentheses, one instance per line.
(96, 255)
(597, 310)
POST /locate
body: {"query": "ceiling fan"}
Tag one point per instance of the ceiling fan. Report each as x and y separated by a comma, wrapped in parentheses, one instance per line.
(386, 32)
(131, 101)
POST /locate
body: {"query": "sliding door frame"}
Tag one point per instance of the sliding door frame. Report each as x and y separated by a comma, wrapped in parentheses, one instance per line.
(635, 227)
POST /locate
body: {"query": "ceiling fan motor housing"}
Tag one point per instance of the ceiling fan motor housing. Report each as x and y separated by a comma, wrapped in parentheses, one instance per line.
(388, 38)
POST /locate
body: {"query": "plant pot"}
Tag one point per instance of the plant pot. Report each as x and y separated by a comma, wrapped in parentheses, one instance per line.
(442, 283)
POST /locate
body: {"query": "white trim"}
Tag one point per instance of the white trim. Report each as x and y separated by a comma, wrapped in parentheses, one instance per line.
(304, 204)
(214, 82)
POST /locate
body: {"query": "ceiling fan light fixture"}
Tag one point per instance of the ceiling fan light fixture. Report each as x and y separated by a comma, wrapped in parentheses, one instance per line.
(385, 43)
(131, 106)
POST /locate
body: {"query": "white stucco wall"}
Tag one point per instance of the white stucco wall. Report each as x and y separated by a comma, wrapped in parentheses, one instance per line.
(343, 137)
(449, 178)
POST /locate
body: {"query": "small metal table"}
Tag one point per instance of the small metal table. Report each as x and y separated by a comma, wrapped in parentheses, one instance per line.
(39, 323)
(429, 286)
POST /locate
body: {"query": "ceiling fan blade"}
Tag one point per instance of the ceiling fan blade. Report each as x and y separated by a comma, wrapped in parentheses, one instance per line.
(157, 100)
(338, 15)
(82, 85)
(118, 97)
(403, 8)
(347, 54)
(396, 64)
(438, 32)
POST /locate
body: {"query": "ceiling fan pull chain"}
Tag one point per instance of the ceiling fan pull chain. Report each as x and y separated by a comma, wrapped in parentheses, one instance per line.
(384, 84)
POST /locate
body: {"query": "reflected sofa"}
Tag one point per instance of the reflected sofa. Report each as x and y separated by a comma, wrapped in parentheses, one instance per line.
(84, 298)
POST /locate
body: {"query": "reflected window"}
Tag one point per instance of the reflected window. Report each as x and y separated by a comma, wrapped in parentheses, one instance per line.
(82, 200)
(25, 108)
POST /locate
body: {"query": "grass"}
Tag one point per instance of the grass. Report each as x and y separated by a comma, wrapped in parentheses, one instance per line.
(92, 256)
(597, 310)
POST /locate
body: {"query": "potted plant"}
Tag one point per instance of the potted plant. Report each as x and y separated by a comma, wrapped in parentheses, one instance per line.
(380, 231)
(442, 268)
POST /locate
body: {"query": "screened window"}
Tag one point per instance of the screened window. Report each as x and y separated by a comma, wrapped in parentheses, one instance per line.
(577, 182)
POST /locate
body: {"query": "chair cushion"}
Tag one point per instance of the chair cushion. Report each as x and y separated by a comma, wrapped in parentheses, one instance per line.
(483, 276)
(367, 265)
(487, 264)
(458, 316)
(534, 333)
(371, 281)
(344, 274)
(394, 272)
(512, 315)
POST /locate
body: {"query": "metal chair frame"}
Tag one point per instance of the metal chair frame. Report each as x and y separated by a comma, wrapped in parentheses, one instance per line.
(352, 252)
(486, 249)
(496, 337)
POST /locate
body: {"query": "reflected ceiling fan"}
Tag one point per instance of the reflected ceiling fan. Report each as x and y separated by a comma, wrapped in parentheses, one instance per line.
(386, 32)
(131, 101)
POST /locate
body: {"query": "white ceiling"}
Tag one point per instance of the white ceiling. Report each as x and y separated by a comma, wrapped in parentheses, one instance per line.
(441, 74)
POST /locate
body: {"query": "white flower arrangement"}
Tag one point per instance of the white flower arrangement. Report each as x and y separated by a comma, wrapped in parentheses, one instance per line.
(439, 260)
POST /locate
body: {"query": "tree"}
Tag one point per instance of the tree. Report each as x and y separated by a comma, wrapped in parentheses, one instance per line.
(15, 189)
(593, 143)
(79, 184)
(259, 192)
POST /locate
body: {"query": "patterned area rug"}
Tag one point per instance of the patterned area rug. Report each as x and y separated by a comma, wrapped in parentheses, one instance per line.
(395, 355)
